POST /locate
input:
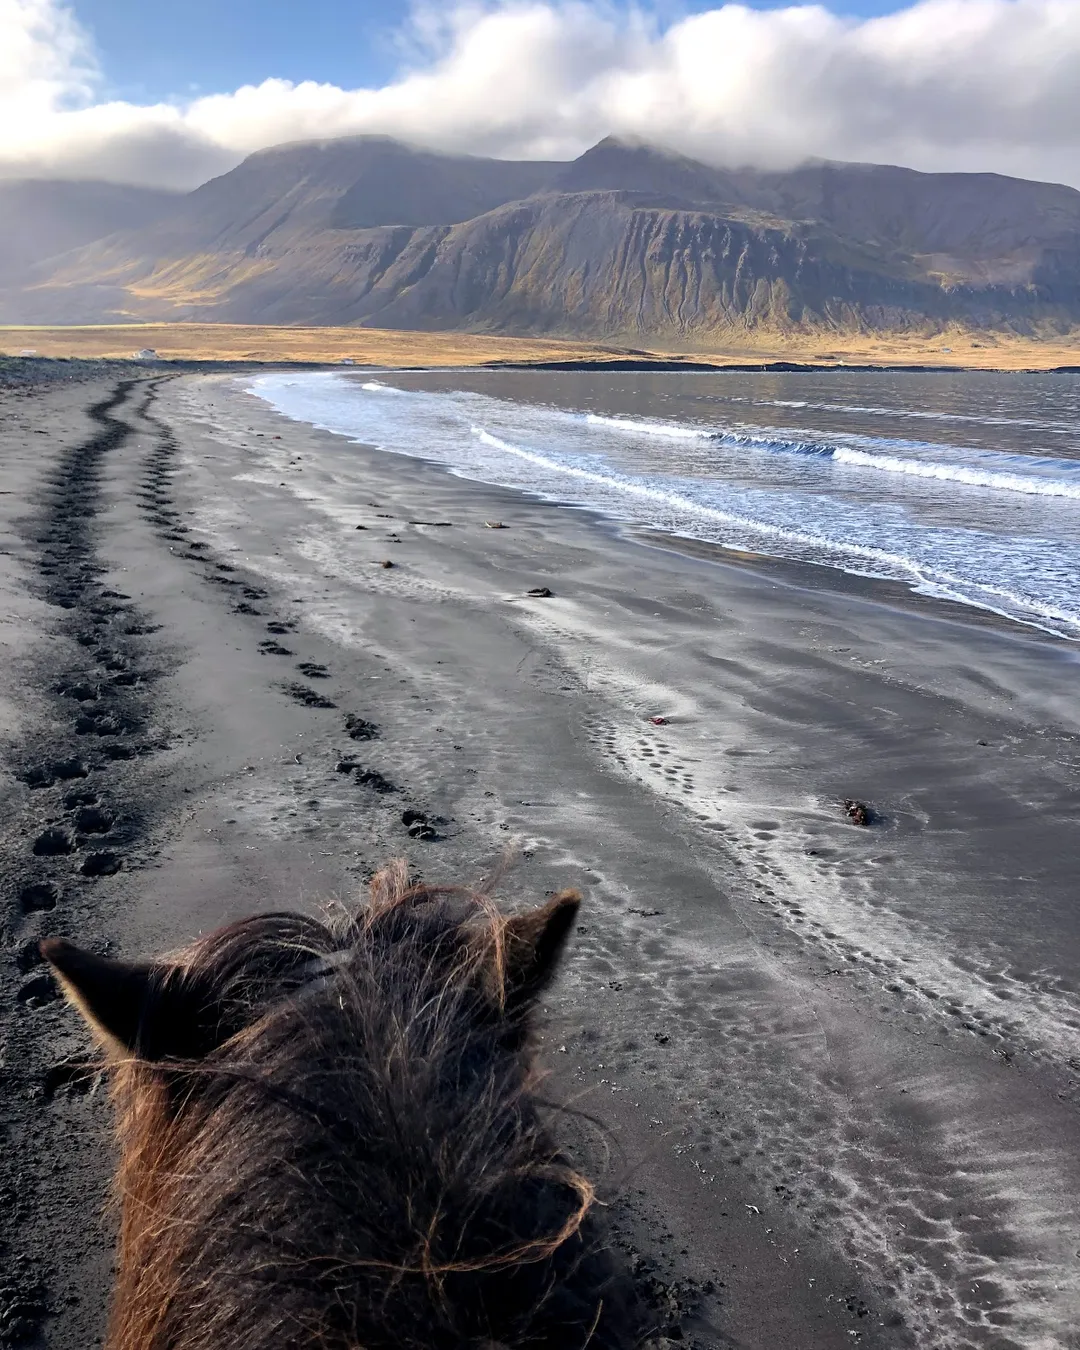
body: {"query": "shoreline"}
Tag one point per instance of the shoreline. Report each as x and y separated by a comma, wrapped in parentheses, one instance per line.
(885, 591)
(689, 366)
(811, 575)
(761, 1004)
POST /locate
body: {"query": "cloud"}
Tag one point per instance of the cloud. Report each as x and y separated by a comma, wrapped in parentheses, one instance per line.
(944, 84)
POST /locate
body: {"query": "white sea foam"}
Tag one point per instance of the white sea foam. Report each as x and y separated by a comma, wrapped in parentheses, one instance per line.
(640, 427)
(961, 473)
(1042, 424)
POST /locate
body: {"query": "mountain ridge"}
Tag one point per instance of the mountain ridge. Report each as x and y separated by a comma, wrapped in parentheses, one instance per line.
(627, 242)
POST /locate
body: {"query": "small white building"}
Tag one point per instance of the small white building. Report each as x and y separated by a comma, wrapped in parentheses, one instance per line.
(28, 351)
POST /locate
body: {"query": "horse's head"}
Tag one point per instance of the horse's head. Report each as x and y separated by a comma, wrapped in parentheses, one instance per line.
(418, 939)
(330, 1133)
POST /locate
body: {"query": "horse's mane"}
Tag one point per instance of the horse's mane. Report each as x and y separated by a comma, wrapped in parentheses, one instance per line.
(360, 1159)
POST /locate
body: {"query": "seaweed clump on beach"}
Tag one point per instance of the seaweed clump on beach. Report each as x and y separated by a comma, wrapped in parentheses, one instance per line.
(858, 812)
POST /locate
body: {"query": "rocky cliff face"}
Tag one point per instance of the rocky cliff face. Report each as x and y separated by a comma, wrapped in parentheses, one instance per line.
(627, 242)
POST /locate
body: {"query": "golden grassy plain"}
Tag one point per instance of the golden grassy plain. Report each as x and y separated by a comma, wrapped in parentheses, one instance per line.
(386, 347)
(244, 342)
(958, 348)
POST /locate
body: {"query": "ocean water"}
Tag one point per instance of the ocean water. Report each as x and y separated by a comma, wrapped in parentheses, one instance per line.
(963, 486)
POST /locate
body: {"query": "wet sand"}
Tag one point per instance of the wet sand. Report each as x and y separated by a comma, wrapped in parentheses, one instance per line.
(840, 1106)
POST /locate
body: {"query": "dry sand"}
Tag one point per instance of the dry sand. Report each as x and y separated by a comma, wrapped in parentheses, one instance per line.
(819, 1142)
(374, 346)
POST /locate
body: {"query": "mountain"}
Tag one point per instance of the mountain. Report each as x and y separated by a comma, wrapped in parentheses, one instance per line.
(626, 242)
(40, 218)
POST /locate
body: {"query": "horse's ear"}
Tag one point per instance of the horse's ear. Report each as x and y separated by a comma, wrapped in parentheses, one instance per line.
(115, 997)
(534, 943)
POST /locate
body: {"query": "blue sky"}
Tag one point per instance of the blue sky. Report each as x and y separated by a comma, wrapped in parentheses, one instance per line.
(151, 50)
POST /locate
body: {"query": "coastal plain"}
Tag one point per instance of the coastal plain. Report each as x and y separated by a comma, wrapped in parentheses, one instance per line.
(966, 349)
(825, 1114)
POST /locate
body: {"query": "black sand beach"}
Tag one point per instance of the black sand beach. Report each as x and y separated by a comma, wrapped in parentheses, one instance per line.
(837, 1066)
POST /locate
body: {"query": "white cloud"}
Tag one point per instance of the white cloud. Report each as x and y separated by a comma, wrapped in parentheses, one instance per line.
(944, 84)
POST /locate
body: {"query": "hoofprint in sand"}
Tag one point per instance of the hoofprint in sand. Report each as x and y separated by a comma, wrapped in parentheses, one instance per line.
(841, 1112)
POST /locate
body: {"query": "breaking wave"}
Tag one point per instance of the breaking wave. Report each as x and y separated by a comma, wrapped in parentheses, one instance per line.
(1048, 477)
(971, 475)
(673, 431)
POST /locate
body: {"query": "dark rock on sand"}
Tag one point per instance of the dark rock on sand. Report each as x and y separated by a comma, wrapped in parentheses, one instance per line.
(540, 592)
(858, 812)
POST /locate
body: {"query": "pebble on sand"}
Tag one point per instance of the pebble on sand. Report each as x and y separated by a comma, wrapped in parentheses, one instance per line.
(857, 812)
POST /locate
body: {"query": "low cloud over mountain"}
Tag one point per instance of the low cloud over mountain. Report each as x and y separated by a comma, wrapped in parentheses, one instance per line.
(978, 85)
